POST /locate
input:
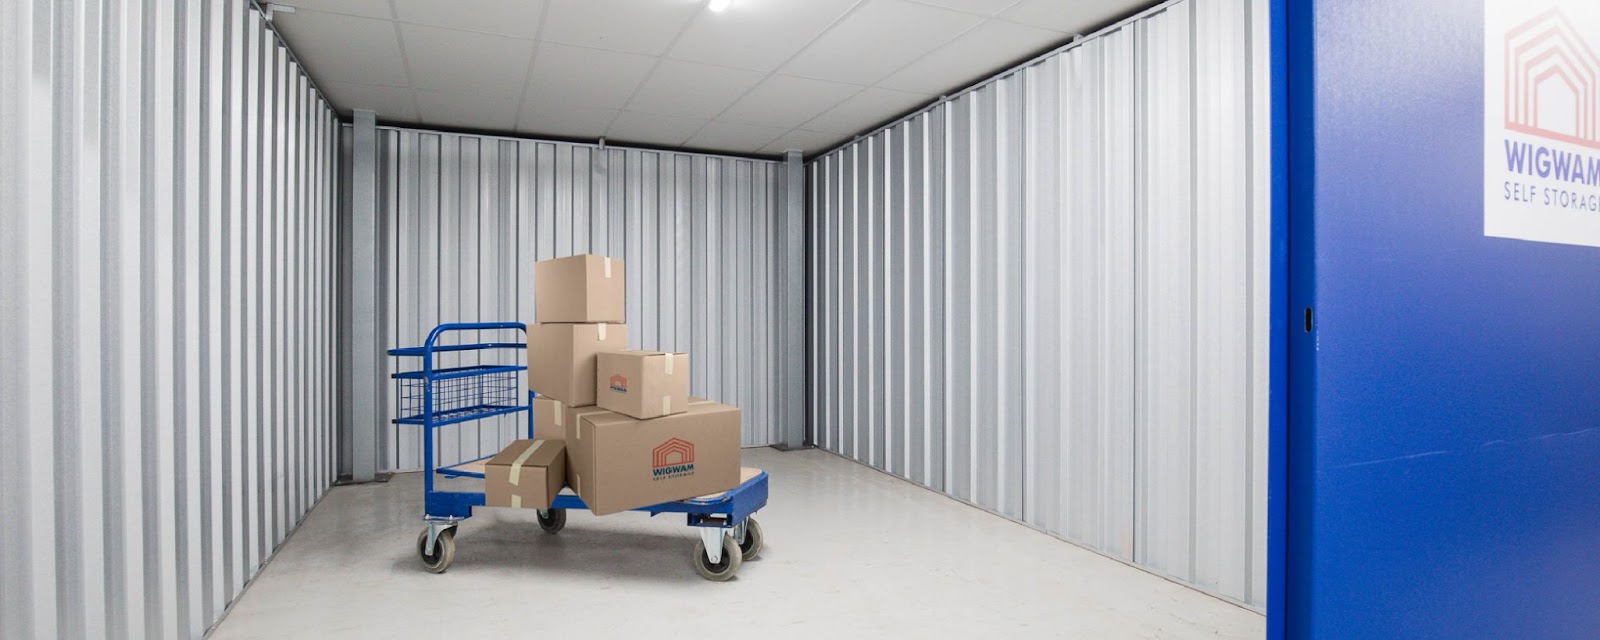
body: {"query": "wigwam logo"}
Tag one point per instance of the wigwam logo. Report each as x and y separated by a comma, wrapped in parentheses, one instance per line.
(1552, 80)
(1541, 121)
(619, 384)
(672, 459)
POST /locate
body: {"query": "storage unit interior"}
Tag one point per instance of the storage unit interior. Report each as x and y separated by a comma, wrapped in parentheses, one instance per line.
(1013, 254)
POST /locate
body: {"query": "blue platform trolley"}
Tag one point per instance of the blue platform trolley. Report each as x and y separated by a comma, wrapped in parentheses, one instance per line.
(435, 397)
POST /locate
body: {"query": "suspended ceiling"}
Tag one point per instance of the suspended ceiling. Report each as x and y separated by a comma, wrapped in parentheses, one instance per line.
(760, 77)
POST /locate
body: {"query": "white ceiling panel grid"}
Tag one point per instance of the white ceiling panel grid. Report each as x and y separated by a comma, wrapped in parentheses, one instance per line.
(451, 60)
(692, 89)
(760, 77)
(878, 38)
(467, 111)
(564, 75)
(635, 26)
(788, 101)
(515, 18)
(757, 36)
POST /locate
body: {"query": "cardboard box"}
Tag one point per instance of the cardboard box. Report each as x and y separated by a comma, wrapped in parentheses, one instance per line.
(548, 419)
(578, 289)
(561, 358)
(525, 475)
(551, 417)
(616, 462)
(642, 384)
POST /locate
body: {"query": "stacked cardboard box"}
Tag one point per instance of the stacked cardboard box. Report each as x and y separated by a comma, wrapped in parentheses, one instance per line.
(647, 441)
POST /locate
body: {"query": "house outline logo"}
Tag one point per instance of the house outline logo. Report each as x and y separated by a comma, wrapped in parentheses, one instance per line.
(1539, 51)
(672, 459)
(619, 383)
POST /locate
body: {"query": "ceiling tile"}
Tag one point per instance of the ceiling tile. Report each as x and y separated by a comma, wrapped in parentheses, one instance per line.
(977, 54)
(787, 101)
(388, 102)
(871, 107)
(618, 25)
(573, 122)
(1077, 17)
(756, 34)
(691, 89)
(364, 8)
(340, 48)
(730, 136)
(805, 141)
(576, 76)
(516, 18)
(980, 7)
(456, 109)
(876, 39)
(450, 60)
(650, 128)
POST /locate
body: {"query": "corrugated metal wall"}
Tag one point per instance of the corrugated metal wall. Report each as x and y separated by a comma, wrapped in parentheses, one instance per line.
(167, 305)
(1048, 296)
(464, 217)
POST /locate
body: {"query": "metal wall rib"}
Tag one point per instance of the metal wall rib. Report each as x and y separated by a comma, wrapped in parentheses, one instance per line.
(1048, 296)
(464, 217)
(165, 313)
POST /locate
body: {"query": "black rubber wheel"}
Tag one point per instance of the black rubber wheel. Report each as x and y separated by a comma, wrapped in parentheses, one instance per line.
(751, 547)
(722, 571)
(444, 550)
(554, 522)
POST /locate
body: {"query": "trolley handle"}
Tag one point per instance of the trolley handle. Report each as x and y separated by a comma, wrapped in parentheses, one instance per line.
(433, 336)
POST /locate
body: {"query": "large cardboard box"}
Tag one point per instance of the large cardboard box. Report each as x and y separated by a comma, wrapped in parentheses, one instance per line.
(642, 384)
(616, 462)
(525, 475)
(561, 358)
(578, 289)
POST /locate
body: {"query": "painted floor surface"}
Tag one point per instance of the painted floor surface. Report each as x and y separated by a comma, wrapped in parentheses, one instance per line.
(850, 552)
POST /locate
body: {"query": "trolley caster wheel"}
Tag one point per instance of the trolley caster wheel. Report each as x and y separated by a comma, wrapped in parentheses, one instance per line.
(553, 520)
(751, 545)
(444, 550)
(725, 567)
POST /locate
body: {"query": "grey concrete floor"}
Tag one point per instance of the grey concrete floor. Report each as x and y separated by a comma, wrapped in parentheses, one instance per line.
(850, 552)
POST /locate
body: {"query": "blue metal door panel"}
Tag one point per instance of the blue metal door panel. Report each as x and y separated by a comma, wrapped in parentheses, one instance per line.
(1444, 470)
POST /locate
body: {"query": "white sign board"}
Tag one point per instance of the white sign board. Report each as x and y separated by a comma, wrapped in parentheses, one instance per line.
(1541, 120)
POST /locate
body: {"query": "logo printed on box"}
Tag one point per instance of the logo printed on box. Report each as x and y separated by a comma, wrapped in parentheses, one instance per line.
(619, 383)
(1541, 131)
(672, 459)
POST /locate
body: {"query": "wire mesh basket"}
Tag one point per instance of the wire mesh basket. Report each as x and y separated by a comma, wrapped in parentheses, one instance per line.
(459, 394)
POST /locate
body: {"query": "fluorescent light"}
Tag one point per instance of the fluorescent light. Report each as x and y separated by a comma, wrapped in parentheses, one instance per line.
(718, 6)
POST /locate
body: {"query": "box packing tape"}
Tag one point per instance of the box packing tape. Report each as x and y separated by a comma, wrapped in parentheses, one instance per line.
(669, 364)
(666, 405)
(516, 470)
(558, 412)
(608, 267)
(600, 330)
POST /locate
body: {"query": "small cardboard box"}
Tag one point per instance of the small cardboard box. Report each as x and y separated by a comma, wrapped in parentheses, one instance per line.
(525, 475)
(616, 462)
(578, 289)
(561, 358)
(642, 384)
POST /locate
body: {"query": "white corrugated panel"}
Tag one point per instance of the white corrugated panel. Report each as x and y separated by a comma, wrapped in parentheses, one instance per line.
(165, 313)
(464, 218)
(1048, 296)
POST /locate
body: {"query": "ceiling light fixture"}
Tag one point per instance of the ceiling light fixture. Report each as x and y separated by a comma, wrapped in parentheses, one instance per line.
(718, 6)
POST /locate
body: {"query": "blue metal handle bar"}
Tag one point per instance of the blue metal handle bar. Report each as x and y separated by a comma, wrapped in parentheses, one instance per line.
(427, 387)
